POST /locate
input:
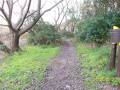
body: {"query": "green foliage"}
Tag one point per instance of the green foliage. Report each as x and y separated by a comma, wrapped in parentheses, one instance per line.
(18, 71)
(94, 62)
(93, 30)
(44, 33)
(68, 34)
(113, 18)
(96, 29)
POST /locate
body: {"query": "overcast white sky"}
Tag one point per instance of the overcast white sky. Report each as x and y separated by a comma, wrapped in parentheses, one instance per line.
(49, 16)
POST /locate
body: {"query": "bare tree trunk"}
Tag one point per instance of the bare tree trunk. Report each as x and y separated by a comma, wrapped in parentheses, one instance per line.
(19, 28)
(113, 57)
(15, 42)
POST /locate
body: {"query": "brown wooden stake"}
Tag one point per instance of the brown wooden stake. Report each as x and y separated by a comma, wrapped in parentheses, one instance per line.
(113, 56)
(118, 63)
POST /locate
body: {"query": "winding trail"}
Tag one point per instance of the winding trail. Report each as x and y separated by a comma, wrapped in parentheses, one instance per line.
(64, 73)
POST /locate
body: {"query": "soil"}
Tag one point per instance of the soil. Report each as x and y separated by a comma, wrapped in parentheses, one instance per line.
(65, 72)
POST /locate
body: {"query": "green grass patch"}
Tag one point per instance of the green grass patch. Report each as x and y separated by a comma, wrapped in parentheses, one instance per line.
(17, 71)
(95, 65)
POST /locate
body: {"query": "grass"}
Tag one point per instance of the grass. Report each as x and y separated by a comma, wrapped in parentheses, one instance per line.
(95, 62)
(17, 71)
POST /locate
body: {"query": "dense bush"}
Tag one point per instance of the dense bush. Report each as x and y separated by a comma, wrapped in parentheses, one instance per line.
(97, 29)
(44, 33)
(94, 30)
(68, 34)
(113, 18)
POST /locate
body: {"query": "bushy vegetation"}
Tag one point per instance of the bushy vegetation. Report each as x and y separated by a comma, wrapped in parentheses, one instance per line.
(18, 71)
(68, 34)
(94, 30)
(44, 33)
(112, 18)
(94, 62)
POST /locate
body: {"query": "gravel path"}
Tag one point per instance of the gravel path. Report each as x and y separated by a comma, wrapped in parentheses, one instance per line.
(64, 72)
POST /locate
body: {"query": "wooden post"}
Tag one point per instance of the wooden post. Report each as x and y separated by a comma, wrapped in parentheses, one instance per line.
(115, 40)
(118, 63)
(113, 56)
(118, 41)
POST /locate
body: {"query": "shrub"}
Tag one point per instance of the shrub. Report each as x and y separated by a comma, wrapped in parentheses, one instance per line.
(44, 33)
(113, 18)
(93, 30)
(68, 34)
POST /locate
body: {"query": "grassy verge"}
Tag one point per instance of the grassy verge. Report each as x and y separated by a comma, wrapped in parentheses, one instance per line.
(17, 71)
(94, 62)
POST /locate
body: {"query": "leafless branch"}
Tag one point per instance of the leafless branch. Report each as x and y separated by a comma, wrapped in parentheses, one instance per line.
(10, 8)
(38, 16)
(3, 4)
(31, 14)
(21, 12)
(7, 19)
(61, 14)
(24, 16)
(2, 17)
(51, 7)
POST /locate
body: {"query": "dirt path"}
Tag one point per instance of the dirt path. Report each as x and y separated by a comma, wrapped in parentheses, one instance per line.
(64, 72)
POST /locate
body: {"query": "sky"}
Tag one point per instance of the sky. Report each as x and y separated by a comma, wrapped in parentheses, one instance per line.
(53, 13)
(49, 16)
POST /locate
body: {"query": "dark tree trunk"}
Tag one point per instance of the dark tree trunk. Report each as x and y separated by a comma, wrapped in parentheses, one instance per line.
(15, 42)
(113, 57)
(118, 63)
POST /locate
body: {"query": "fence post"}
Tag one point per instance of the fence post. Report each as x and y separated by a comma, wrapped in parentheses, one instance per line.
(113, 56)
(118, 63)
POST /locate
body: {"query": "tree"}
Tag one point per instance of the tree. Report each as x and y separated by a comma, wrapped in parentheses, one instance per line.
(61, 11)
(18, 28)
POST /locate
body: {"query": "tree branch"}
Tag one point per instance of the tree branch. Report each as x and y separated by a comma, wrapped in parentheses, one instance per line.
(10, 8)
(24, 16)
(39, 15)
(21, 13)
(51, 8)
(31, 14)
(7, 19)
(7, 16)
(2, 17)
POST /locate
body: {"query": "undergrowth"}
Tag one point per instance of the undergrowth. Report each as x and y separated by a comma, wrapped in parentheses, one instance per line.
(95, 62)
